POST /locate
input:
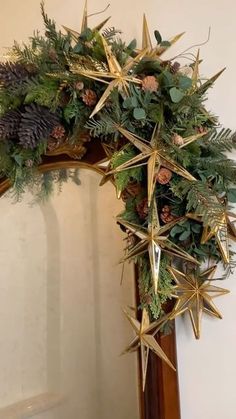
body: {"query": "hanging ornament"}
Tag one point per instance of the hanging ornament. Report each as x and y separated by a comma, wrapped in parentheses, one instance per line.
(145, 340)
(195, 294)
(154, 240)
(154, 156)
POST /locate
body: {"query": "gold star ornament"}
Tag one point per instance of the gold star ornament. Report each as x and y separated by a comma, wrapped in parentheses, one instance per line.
(154, 240)
(146, 341)
(114, 76)
(195, 294)
(153, 154)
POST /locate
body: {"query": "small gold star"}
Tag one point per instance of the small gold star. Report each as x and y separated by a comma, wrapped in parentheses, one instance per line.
(219, 230)
(154, 156)
(120, 76)
(154, 240)
(195, 294)
(145, 340)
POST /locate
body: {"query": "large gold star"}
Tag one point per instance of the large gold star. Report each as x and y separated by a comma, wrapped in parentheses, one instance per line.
(195, 294)
(154, 156)
(120, 76)
(153, 240)
(145, 340)
(155, 52)
(220, 231)
(84, 25)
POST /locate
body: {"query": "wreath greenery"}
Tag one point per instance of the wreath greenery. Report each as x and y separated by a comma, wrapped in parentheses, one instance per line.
(166, 152)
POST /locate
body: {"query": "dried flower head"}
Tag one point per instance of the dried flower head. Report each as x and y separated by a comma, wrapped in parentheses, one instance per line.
(150, 84)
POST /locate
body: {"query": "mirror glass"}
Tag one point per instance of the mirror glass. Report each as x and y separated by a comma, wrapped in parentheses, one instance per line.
(61, 323)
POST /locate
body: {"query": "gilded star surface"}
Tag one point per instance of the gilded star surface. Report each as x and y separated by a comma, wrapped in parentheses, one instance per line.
(154, 156)
(146, 341)
(84, 24)
(154, 52)
(221, 232)
(154, 240)
(115, 76)
(195, 295)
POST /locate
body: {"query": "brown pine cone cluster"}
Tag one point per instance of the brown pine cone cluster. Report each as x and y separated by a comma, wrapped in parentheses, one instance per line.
(89, 97)
(166, 215)
(142, 208)
(132, 190)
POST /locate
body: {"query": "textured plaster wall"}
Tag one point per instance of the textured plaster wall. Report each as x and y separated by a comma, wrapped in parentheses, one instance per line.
(207, 369)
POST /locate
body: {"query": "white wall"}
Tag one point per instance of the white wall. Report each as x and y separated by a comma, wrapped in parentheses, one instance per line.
(207, 368)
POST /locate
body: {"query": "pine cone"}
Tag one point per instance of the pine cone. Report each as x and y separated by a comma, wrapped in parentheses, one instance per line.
(142, 208)
(132, 190)
(150, 84)
(89, 97)
(58, 132)
(177, 139)
(12, 73)
(9, 124)
(36, 124)
(163, 176)
(167, 217)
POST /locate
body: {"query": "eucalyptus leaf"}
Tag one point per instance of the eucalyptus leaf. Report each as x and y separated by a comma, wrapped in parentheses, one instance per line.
(130, 102)
(165, 44)
(185, 82)
(158, 36)
(231, 195)
(185, 235)
(176, 95)
(196, 228)
(139, 113)
(176, 230)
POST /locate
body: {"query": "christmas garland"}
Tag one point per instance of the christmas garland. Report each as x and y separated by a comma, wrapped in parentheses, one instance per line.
(165, 153)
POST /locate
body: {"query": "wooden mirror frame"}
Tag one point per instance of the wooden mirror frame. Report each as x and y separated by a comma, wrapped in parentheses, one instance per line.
(161, 397)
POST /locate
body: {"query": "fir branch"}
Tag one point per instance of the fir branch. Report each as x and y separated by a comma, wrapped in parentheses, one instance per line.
(200, 199)
(124, 177)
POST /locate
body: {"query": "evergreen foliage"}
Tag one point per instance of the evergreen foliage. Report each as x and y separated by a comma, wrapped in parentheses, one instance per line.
(44, 86)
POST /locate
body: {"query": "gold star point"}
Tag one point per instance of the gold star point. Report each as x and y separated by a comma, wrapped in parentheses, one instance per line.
(146, 341)
(221, 232)
(194, 294)
(84, 24)
(157, 51)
